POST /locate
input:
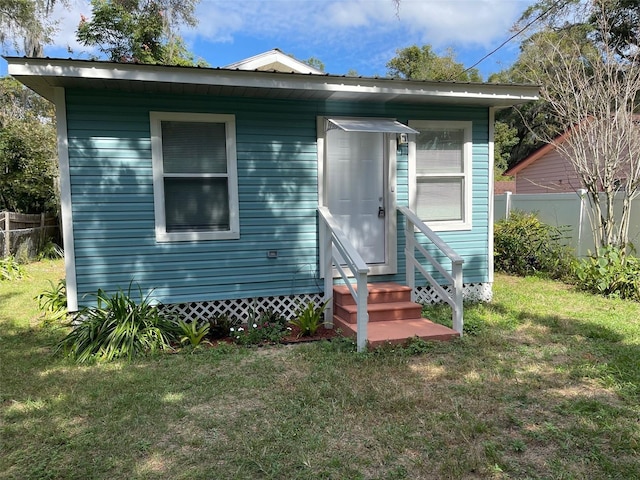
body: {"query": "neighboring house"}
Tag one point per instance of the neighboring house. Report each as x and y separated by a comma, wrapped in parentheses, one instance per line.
(211, 187)
(503, 186)
(545, 171)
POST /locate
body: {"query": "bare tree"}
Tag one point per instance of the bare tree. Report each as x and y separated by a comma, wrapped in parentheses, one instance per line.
(592, 90)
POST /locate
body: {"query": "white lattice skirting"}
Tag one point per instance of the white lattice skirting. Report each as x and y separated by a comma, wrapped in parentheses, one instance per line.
(244, 308)
(287, 305)
(472, 292)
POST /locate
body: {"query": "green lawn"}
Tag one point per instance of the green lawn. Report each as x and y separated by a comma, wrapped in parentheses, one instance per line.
(547, 387)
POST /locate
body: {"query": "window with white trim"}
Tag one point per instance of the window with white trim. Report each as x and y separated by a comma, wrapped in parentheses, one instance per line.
(195, 182)
(440, 187)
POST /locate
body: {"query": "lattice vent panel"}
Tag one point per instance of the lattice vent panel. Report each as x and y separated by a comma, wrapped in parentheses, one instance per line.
(473, 292)
(242, 308)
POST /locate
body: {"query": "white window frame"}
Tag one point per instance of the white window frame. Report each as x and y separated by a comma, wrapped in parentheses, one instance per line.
(158, 176)
(467, 175)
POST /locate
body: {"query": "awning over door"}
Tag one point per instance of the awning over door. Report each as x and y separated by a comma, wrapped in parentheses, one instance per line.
(375, 125)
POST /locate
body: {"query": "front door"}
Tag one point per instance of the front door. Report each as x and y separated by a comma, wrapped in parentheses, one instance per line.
(355, 187)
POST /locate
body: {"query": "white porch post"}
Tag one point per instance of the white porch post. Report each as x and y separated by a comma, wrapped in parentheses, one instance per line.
(457, 295)
(362, 315)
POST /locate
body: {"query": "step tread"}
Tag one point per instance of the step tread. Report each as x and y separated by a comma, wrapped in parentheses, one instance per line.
(399, 331)
(382, 287)
(381, 307)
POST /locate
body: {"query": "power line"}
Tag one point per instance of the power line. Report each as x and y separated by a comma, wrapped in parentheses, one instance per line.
(539, 17)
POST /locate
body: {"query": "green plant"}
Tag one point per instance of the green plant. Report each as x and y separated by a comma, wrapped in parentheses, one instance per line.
(612, 273)
(119, 327)
(266, 327)
(523, 245)
(193, 332)
(309, 318)
(220, 326)
(10, 269)
(53, 300)
(417, 346)
(50, 250)
(61, 420)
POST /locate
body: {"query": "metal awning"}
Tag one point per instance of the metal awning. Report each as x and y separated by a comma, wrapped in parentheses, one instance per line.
(375, 125)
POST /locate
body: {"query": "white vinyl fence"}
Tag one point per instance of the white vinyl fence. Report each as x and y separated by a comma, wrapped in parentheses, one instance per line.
(569, 211)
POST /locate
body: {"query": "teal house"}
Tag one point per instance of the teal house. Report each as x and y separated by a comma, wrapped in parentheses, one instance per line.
(267, 182)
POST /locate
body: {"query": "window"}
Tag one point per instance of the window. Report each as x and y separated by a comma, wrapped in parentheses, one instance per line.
(194, 176)
(440, 174)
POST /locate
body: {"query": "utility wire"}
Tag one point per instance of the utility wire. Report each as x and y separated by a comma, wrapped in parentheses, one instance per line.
(539, 17)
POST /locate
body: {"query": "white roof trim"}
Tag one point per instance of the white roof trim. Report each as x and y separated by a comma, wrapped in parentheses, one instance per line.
(43, 75)
(373, 125)
(261, 60)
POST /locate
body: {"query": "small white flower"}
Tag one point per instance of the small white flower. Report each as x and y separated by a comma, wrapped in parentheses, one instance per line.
(255, 325)
(288, 328)
(241, 329)
(232, 329)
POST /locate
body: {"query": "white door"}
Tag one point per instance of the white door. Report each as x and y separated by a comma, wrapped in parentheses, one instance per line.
(355, 189)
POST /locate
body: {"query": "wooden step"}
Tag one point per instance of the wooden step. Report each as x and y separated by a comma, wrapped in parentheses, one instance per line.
(378, 293)
(380, 312)
(398, 331)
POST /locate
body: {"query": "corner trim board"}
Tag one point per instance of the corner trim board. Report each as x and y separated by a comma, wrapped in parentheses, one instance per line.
(492, 119)
(65, 200)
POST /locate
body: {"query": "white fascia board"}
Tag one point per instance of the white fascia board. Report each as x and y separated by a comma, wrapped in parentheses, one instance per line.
(57, 71)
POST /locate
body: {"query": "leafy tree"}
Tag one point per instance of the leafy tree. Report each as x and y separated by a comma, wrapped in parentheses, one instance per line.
(528, 124)
(504, 138)
(28, 162)
(139, 30)
(315, 63)
(421, 63)
(591, 90)
(28, 20)
(617, 24)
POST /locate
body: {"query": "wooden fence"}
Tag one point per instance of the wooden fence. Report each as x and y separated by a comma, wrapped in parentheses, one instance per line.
(25, 234)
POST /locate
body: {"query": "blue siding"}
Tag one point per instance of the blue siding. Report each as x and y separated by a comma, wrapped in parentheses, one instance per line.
(112, 195)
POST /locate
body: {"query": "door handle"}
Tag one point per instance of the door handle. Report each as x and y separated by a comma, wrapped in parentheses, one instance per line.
(381, 212)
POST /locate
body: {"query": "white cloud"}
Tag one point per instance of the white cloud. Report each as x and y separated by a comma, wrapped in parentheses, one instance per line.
(438, 22)
(68, 19)
(361, 33)
(459, 22)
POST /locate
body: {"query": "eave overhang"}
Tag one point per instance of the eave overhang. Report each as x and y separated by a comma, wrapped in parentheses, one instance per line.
(44, 75)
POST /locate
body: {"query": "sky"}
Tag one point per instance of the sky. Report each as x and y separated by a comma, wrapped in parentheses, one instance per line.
(360, 35)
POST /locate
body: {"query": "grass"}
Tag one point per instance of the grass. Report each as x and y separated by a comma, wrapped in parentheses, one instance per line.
(547, 385)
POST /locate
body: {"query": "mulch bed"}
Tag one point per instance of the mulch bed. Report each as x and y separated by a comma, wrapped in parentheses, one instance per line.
(293, 337)
(321, 334)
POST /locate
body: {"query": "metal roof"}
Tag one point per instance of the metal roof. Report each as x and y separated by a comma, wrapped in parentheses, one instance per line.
(44, 75)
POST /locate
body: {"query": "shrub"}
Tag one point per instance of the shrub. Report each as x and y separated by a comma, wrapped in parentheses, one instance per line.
(50, 250)
(267, 327)
(220, 326)
(193, 332)
(612, 273)
(309, 318)
(10, 269)
(523, 245)
(119, 328)
(53, 300)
